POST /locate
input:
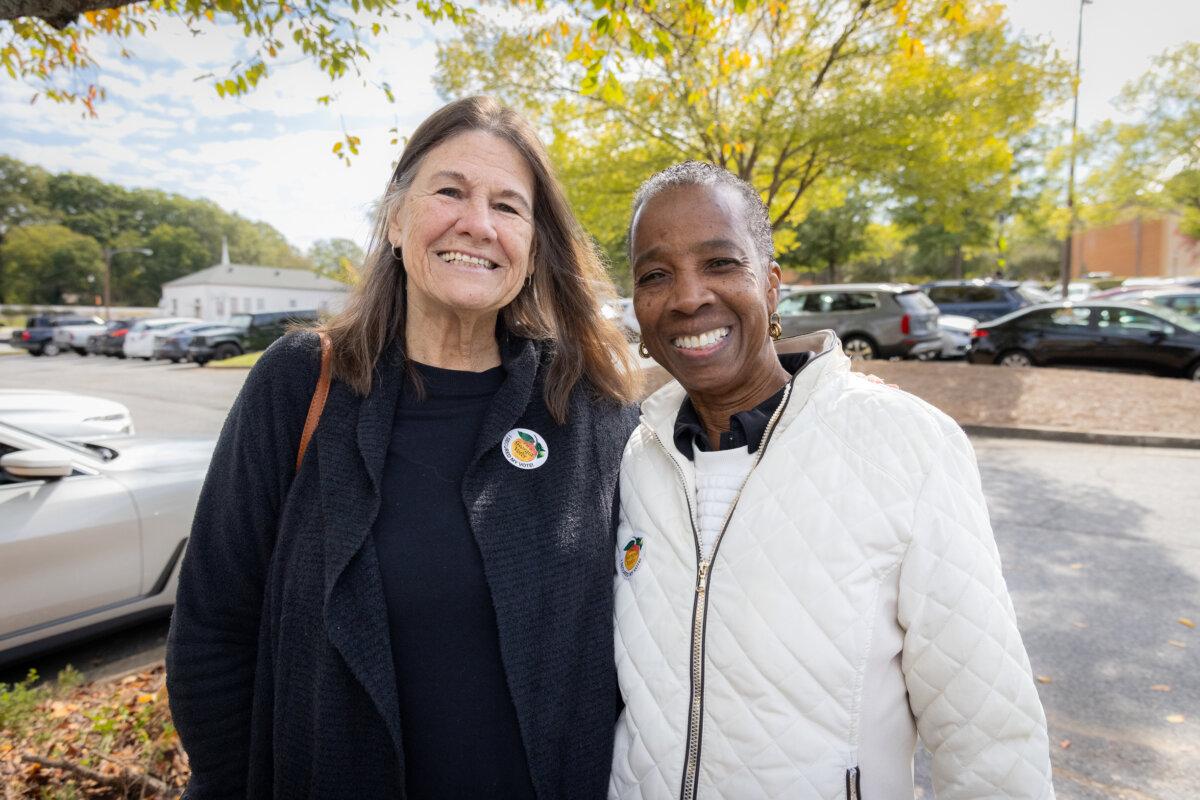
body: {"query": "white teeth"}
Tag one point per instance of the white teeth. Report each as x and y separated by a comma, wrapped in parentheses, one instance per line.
(466, 259)
(703, 340)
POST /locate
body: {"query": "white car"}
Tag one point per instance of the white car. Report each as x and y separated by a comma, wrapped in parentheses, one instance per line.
(90, 537)
(139, 342)
(956, 335)
(74, 337)
(75, 417)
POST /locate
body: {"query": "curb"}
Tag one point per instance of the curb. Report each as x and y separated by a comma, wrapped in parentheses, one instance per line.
(1085, 437)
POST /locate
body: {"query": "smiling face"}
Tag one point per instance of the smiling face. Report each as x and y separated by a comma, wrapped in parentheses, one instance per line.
(465, 227)
(702, 294)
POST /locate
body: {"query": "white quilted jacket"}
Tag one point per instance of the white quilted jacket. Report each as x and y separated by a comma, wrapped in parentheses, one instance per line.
(854, 599)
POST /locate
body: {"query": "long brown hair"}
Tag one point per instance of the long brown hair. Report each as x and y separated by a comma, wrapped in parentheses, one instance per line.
(560, 304)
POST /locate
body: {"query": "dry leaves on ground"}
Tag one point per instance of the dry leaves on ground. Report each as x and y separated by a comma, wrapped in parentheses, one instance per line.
(103, 741)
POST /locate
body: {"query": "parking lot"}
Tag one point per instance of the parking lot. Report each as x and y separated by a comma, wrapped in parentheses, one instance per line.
(1099, 545)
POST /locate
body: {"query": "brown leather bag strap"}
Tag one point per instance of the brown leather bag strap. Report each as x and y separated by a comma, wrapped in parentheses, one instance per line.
(318, 399)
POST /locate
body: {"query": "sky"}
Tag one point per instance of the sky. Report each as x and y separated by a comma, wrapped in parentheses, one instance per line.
(268, 155)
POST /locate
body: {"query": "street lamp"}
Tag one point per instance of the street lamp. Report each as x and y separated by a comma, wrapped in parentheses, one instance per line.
(1065, 273)
(108, 255)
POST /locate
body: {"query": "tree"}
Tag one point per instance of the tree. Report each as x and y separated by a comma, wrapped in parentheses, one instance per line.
(340, 259)
(831, 237)
(793, 97)
(24, 197)
(42, 263)
(1154, 161)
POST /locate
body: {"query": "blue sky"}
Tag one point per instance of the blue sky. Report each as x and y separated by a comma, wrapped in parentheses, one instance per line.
(267, 155)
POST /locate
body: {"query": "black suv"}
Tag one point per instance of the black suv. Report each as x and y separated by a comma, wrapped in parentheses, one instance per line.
(245, 333)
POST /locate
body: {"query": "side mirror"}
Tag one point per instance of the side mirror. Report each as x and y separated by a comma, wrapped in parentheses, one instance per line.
(36, 464)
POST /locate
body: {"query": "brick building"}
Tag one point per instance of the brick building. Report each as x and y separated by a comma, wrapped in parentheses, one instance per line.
(1140, 247)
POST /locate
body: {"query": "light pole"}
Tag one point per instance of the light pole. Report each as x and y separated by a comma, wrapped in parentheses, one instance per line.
(1074, 217)
(108, 255)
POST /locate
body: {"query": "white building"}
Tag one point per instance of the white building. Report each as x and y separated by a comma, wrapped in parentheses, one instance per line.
(219, 292)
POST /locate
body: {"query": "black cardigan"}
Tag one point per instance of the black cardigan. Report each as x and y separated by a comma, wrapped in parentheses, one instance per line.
(278, 662)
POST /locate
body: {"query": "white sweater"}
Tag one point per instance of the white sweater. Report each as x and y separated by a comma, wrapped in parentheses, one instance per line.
(855, 598)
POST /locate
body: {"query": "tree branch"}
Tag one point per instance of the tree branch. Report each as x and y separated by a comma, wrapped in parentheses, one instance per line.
(59, 13)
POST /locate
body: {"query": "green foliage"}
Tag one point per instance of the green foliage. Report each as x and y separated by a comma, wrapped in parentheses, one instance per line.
(41, 263)
(828, 238)
(921, 100)
(185, 235)
(1152, 162)
(340, 259)
(18, 702)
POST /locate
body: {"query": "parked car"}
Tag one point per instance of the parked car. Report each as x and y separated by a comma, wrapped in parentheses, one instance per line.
(956, 334)
(75, 337)
(1132, 286)
(1185, 301)
(1096, 333)
(90, 537)
(96, 341)
(75, 417)
(139, 340)
(173, 345)
(38, 335)
(112, 342)
(245, 333)
(981, 299)
(873, 320)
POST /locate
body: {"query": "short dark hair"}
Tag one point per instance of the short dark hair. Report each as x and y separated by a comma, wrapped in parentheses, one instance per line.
(703, 173)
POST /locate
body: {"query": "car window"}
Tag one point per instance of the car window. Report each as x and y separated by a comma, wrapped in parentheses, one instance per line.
(1035, 320)
(791, 306)
(854, 301)
(982, 294)
(946, 294)
(1121, 320)
(137, 326)
(1070, 317)
(915, 302)
(1188, 304)
(240, 320)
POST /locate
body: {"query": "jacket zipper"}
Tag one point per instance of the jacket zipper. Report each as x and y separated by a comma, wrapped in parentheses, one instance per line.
(691, 767)
(853, 792)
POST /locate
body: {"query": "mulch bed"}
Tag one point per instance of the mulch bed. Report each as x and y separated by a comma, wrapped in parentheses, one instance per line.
(1066, 399)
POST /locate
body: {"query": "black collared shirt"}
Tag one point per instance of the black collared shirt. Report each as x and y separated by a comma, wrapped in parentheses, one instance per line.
(746, 428)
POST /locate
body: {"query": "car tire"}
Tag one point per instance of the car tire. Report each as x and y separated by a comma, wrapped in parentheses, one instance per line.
(35, 351)
(81, 351)
(226, 350)
(859, 348)
(199, 362)
(174, 360)
(1015, 358)
(1193, 372)
(50, 349)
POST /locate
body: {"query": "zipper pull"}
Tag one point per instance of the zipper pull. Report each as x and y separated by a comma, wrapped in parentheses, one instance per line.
(702, 583)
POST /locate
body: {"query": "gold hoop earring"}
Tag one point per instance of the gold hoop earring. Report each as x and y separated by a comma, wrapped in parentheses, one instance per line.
(642, 351)
(396, 254)
(776, 327)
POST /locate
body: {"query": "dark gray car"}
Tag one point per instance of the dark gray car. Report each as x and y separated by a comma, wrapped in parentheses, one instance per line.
(873, 320)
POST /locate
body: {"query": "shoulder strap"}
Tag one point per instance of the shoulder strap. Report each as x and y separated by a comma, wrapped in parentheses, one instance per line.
(318, 399)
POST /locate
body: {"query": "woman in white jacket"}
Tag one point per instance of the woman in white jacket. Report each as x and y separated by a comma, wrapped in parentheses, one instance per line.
(806, 574)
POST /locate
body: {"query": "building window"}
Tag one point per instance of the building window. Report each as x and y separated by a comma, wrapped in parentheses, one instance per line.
(261, 304)
(220, 307)
(197, 311)
(174, 307)
(291, 303)
(233, 305)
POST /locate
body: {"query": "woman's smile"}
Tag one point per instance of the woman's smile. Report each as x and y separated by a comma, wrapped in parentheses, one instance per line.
(702, 344)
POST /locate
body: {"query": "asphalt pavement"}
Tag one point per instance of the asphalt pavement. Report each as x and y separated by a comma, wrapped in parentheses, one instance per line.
(1101, 547)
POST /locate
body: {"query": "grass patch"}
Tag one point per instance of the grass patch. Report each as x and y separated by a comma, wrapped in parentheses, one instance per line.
(244, 361)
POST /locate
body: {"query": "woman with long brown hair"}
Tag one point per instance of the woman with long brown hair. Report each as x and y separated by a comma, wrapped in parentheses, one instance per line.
(417, 601)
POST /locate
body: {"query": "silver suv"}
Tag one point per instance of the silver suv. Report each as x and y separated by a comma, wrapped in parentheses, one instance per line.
(873, 320)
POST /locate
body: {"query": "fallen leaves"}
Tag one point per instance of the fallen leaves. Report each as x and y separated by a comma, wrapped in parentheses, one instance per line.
(1175, 719)
(1160, 687)
(1044, 679)
(1064, 744)
(1186, 622)
(103, 741)
(1176, 643)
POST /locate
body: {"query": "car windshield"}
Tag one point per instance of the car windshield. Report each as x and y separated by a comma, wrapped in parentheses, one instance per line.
(1035, 296)
(53, 442)
(240, 320)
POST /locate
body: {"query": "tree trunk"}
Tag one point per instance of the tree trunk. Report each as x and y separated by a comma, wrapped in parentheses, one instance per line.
(958, 262)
